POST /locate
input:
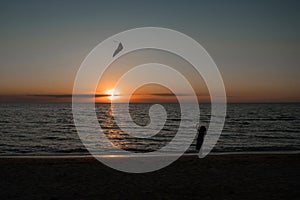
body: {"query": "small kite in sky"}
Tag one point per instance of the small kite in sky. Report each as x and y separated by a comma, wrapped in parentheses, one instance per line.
(120, 47)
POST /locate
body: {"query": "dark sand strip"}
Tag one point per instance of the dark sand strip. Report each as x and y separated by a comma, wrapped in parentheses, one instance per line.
(257, 176)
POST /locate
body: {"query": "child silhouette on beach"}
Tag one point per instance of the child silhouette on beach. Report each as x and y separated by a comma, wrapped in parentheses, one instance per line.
(200, 138)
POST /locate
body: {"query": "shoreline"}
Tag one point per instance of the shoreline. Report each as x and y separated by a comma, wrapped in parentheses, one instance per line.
(88, 155)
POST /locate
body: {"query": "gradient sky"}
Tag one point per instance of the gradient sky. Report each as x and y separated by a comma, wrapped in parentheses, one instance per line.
(255, 44)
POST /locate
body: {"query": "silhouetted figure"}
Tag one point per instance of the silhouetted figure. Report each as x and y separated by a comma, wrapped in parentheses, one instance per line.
(200, 138)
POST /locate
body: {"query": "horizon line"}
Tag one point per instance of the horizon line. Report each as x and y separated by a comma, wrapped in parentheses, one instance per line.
(11, 98)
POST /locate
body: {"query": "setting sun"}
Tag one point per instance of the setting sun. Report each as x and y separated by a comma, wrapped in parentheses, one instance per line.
(113, 94)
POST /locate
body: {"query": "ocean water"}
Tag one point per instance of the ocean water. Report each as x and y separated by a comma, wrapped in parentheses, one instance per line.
(49, 128)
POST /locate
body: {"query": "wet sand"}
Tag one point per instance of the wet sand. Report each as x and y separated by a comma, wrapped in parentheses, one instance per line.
(249, 176)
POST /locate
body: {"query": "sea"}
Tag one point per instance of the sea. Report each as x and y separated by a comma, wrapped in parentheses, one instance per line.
(48, 128)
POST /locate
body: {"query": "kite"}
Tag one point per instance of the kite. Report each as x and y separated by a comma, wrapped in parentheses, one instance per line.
(120, 47)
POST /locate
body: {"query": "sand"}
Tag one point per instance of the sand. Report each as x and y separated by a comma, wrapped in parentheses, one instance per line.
(261, 176)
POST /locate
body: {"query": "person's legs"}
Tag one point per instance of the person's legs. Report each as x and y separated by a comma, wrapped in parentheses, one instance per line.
(199, 144)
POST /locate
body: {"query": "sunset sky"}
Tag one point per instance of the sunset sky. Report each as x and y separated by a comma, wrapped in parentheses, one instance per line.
(255, 44)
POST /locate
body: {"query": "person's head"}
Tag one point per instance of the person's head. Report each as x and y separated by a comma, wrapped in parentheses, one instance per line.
(202, 129)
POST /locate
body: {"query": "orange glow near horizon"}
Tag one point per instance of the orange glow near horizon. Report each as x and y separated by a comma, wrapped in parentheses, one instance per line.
(238, 89)
(145, 94)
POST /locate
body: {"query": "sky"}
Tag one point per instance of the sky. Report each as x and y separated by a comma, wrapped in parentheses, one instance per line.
(255, 44)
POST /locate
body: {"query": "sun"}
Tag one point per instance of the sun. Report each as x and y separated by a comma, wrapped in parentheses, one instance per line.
(113, 94)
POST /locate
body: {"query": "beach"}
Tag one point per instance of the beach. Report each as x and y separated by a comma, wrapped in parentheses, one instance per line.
(231, 176)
